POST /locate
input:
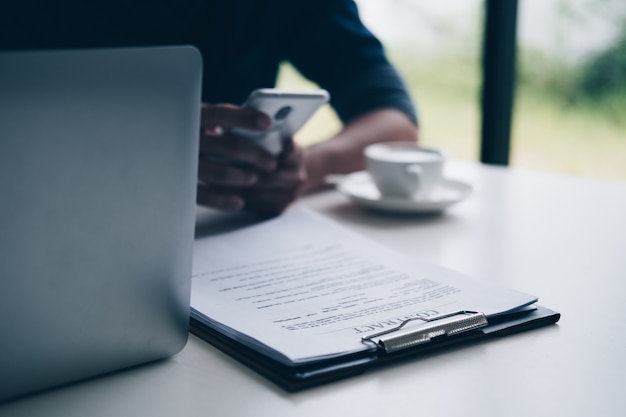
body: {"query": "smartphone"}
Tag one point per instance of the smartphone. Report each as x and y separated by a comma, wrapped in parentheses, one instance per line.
(289, 111)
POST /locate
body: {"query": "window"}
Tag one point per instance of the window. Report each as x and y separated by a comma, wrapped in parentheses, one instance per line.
(570, 106)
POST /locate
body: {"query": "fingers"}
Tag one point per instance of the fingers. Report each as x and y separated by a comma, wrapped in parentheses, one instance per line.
(229, 148)
(217, 143)
(274, 192)
(269, 202)
(219, 198)
(282, 178)
(270, 195)
(260, 201)
(292, 155)
(226, 116)
(291, 172)
(223, 174)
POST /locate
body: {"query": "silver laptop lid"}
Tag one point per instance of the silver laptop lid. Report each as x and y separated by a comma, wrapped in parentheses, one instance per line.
(98, 165)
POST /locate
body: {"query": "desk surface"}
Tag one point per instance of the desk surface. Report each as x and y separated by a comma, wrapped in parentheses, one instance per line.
(561, 238)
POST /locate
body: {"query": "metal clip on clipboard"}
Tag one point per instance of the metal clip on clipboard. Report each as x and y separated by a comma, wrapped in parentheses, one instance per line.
(399, 337)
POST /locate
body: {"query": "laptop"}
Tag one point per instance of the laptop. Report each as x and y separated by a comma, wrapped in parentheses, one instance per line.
(98, 165)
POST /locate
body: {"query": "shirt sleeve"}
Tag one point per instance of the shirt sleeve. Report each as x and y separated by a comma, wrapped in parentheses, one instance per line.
(333, 48)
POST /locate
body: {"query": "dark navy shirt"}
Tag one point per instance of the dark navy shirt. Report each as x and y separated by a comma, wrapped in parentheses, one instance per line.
(243, 42)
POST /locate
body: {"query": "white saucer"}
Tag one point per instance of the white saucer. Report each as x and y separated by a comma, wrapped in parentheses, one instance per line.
(361, 189)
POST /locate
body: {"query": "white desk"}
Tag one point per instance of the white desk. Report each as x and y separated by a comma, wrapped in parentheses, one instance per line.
(561, 238)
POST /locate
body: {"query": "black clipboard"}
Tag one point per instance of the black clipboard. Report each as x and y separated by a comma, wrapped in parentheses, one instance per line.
(394, 345)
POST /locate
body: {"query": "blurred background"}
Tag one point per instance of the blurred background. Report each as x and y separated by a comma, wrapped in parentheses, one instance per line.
(570, 104)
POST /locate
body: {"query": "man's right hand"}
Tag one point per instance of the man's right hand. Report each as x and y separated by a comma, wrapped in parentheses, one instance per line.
(229, 164)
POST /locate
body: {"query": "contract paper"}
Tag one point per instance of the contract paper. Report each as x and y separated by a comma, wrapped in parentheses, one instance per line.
(301, 288)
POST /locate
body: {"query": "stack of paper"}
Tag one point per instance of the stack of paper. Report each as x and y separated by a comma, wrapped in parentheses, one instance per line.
(301, 289)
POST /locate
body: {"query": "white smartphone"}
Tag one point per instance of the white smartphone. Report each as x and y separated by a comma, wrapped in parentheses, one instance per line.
(289, 110)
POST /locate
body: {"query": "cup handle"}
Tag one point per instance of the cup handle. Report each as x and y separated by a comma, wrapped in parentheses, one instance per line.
(415, 169)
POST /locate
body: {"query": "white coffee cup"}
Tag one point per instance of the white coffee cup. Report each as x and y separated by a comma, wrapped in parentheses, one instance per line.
(404, 169)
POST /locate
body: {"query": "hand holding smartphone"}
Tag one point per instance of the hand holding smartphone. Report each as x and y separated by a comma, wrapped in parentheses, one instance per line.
(289, 110)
